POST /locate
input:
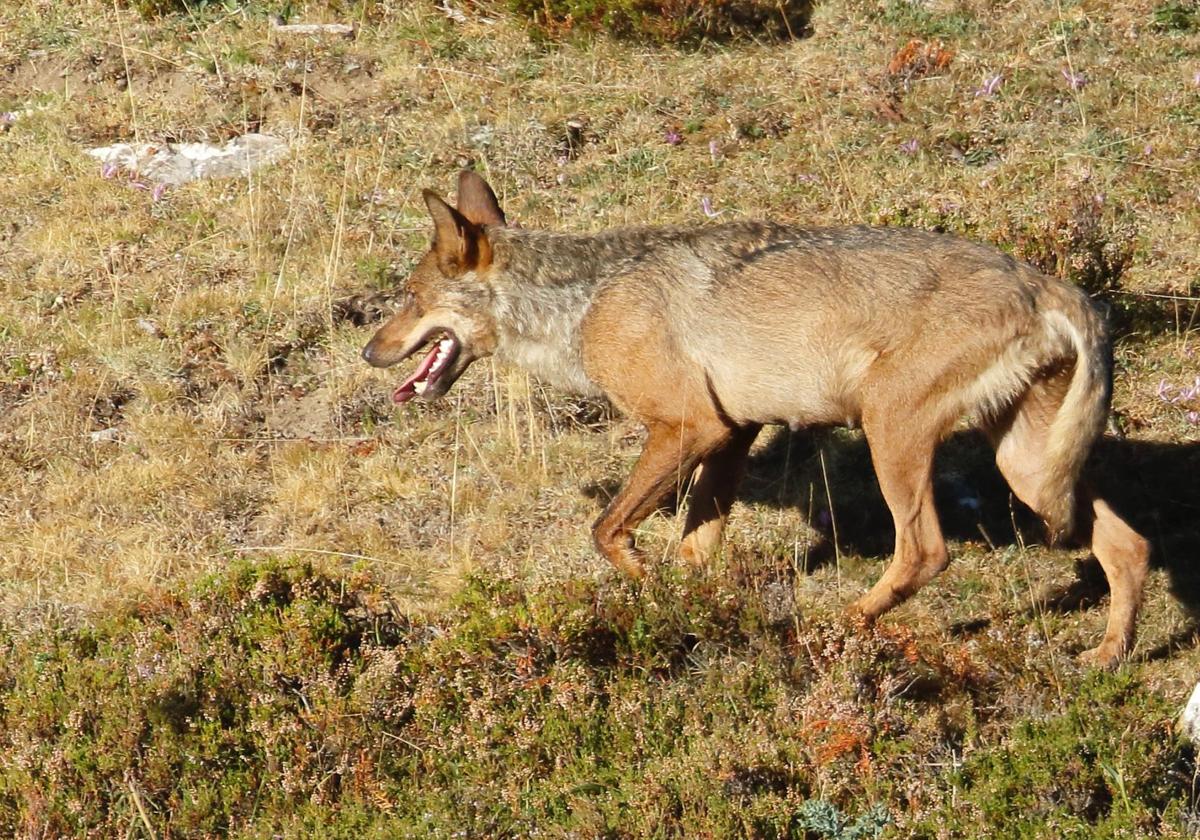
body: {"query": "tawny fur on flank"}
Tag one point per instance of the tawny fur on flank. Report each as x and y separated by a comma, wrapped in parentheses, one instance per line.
(706, 334)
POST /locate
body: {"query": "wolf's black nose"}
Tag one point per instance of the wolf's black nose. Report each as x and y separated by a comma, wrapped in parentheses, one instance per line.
(368, 355)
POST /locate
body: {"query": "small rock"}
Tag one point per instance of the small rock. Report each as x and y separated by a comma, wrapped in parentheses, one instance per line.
(453, 13)
(779, 602)
(150, 328)
(1189, 721)
(345, 30)
(109, 435)
(482, 136)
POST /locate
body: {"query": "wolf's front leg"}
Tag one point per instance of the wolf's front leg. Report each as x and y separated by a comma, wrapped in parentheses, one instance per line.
(668, 457)
(712, 495)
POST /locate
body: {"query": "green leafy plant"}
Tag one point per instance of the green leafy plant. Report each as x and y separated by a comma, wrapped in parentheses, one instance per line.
(1176, 16)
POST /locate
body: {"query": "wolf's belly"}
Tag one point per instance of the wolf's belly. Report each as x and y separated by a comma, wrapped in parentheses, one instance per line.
(789, 382)
(774, 391)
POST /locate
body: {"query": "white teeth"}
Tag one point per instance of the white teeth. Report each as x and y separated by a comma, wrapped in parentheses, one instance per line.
(444, 348)
(443, 352)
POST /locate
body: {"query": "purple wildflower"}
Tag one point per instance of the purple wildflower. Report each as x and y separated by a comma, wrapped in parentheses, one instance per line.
(8, 118)
(807, 178)
(909, 147)
(1193, 417)
(673, 138)
(706, 206)
(714, 149)
(991, 84)
(1196, 78)
(159, 191)
(1172, 394)
(1075, 81)
(138, 185)
(109, 170)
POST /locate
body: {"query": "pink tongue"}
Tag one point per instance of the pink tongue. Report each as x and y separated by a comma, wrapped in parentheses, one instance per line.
(406, 390)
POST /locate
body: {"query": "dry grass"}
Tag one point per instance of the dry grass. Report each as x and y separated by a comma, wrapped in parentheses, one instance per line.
(206, 330)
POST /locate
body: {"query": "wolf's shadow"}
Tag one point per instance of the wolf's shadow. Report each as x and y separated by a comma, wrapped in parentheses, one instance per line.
(828, 476)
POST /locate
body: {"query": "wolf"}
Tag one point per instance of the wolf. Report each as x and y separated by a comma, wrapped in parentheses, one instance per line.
(706, 334)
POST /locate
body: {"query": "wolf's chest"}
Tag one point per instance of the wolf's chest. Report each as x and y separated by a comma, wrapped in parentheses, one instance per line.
(557, 364)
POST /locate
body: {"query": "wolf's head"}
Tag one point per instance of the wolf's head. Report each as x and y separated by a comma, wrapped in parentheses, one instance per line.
(445, 301)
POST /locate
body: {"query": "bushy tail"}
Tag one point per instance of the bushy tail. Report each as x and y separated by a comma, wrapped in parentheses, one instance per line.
(1081, 417)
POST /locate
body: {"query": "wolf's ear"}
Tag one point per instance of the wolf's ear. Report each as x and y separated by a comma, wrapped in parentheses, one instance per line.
(460, 244)
(476, 200)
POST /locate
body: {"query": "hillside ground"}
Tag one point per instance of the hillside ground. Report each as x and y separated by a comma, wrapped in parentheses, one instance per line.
(242, 593)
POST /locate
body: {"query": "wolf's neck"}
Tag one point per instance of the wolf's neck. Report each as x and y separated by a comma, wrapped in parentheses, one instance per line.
(542, 290)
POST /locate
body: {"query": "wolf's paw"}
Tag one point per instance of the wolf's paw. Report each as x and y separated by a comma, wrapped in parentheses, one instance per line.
(693, 554)
(629, 562)
(701, 542)
(858, 615)
(1106, 656)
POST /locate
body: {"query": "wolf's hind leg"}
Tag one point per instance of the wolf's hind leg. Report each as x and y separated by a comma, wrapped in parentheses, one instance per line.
(1125, 557)
(712, 495)
(1020, 439)
(670, 454)
(903, 459)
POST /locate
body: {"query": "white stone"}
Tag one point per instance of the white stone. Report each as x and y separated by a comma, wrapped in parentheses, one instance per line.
(177, 163)
(1189, 721)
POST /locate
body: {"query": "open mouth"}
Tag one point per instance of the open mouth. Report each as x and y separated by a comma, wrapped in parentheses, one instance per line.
(433, 367)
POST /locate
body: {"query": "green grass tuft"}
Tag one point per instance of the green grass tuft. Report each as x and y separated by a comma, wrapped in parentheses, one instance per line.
(1078, 770)
(1176, 16)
